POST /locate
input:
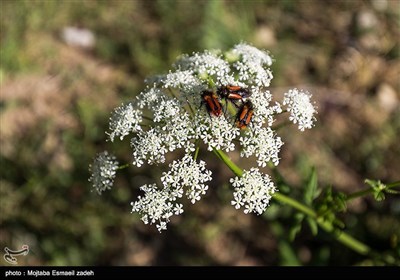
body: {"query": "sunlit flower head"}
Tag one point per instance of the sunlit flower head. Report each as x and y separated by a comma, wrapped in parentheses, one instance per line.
(156, 206)
(262, 143)
(159, 204)
(253, 191)
(186, 175)
(124, 120)
(253, 65)
(301, 108)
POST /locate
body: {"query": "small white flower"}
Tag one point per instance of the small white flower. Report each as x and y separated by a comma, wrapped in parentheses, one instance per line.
(253, 191)
(103, 171)
(187, 174)
(156, 206)
(178, 209)
(161, 226)
(123, 120)
(301, 109)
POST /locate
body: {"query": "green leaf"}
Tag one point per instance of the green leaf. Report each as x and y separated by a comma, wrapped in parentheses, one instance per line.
(379, 196)
(311, 188)
(296, 227)
(313, 226)
(379, 189)
(371, 183)
(338, 223)
(288, 256)
(392, 191)
(340, 202)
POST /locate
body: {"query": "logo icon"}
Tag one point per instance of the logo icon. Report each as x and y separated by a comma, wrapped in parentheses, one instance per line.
(9, 256)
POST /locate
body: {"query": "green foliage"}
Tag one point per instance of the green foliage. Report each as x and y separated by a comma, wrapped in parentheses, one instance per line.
(309, 195)
(330, 204)
(296, 226)
(310, 192)
(379, 189)
(288, 256)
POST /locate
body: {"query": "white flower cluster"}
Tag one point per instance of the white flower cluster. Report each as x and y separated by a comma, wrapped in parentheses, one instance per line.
(206, 65)
(187, 173)
(190, 106)
(216, 133)
(171, 128)
(253, 191)
(158, 205)
(263, 143)
(124, 120)
(103, 171)
(301, 109)
(253, 65)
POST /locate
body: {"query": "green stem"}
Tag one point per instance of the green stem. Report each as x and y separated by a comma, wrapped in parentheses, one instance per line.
(358, 194)
(232, 166)
(123, 166)
(280, 125)
(295, 204)
(341, 236)
(196, 153)
(210, 82)
(394, 184)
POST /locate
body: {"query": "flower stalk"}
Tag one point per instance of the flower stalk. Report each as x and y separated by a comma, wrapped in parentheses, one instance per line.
(340, 236)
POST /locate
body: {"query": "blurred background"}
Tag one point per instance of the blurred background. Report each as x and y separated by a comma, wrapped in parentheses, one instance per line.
(66, 64)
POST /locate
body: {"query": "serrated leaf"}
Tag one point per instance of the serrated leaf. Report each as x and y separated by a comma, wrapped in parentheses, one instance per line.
(313, 226)
(392, 191)
(310, 190)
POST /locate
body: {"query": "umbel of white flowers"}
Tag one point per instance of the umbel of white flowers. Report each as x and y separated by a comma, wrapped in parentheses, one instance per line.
(181, 109)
